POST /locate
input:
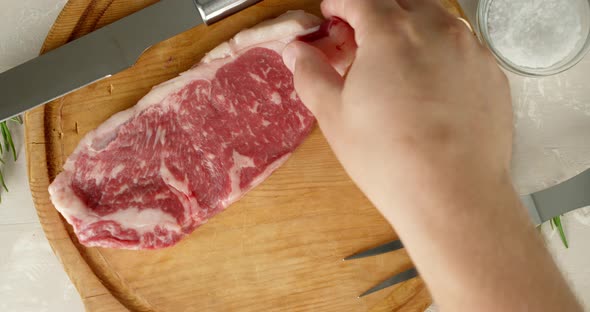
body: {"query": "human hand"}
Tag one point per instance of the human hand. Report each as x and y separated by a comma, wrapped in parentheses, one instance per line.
(424, 107)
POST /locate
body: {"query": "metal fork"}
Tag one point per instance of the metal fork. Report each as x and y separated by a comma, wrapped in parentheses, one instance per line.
(396, 279)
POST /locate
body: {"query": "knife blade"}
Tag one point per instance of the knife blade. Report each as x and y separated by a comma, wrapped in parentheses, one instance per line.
(396, 279)
(105, 51)
(560, 199)
(391, 246)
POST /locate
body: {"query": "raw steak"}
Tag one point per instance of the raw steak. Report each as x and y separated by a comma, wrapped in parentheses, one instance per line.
(192, 146)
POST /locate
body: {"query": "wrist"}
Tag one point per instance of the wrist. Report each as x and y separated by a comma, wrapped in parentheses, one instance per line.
(443, 191)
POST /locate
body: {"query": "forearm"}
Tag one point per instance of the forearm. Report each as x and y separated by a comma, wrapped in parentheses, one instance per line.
(475, 247)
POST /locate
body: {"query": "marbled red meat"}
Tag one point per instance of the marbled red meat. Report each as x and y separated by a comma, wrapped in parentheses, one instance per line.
(152, 174)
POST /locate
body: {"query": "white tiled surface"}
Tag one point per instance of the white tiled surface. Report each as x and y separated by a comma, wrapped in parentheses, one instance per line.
(32, 279)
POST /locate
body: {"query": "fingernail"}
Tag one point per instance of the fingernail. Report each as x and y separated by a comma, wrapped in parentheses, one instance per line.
(289, 56)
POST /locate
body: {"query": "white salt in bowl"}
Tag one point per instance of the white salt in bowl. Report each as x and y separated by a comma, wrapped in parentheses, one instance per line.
(535, 37)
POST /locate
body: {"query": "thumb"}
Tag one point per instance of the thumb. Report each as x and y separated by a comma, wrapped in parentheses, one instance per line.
(317, 83)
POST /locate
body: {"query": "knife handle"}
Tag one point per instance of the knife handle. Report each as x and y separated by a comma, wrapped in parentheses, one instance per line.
(215, 10)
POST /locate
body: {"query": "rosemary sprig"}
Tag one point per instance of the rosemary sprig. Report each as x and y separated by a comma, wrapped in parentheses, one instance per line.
(3, 184)
(557, 222)
(8, 143)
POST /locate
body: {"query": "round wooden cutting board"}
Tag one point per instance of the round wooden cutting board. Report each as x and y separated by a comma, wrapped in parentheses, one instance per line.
(278, 249)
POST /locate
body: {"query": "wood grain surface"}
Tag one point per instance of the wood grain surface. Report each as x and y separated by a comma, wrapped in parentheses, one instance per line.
(277, 249)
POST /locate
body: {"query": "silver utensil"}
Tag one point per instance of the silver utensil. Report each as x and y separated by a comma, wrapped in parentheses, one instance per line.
(105, 51)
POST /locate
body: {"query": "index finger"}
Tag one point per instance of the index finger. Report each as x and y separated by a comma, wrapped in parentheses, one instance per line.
(362, 15)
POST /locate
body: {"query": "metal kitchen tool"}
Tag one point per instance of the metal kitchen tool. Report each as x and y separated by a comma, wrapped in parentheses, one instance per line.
(542, 206)
(105, 52)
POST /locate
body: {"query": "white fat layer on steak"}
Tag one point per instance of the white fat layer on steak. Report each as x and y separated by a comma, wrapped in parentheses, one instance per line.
(98, 172)
(257, 78)
(282, 29)
(170, 180)
(66, 201)
(181, 190)
(141, 220)
(301, 120)
(272, 167)
(160, 136)
(240, 162)
(118, 169)
(276, 98)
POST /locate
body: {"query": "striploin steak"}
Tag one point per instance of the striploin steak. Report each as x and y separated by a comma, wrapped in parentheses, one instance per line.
(193, 145)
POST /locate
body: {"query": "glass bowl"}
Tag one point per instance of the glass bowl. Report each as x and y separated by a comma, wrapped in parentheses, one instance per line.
(577, 54)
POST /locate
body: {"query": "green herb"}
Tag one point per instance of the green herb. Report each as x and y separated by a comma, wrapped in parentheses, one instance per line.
(557, 222)
(3, 184)
(18, 119)
(8, 144)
